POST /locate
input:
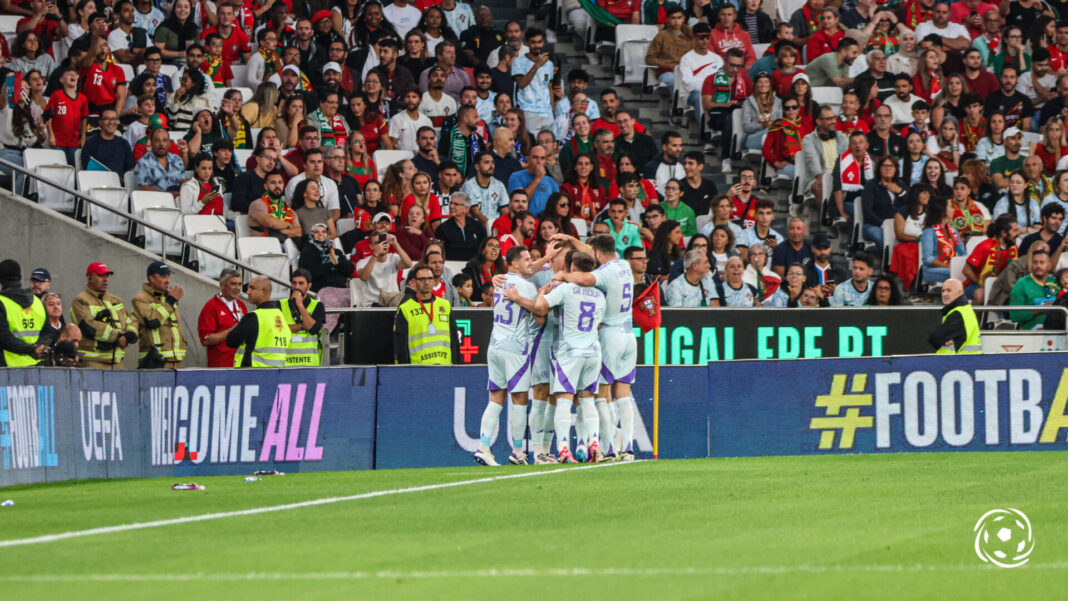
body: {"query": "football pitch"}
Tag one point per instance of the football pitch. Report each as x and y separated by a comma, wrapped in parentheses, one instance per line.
(862, 526)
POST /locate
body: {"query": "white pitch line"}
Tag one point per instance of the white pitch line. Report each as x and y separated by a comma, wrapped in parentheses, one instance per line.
(518, 573)
(50, 538)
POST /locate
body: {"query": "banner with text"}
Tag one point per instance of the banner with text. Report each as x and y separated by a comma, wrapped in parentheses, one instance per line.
(890, 405)
(699, 336)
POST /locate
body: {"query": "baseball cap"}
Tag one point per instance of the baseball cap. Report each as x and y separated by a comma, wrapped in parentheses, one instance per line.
(821, 240)
(41, 275)
(383, 216)
(320, 15)
(294, 69)
(98, 268)
(158, 268)
(331, 66)
(1012, 132)
(434, 69)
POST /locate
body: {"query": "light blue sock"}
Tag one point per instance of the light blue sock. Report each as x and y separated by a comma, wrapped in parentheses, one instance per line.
(490, 417)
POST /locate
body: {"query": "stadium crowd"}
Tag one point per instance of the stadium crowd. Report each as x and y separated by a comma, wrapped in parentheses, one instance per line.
(950, 126)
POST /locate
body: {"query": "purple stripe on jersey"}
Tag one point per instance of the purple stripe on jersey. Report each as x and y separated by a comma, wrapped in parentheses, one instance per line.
(518, 376)
(629, 378)
(562, 378)
(490, 386)
(592, 387)
(607, 374)
(536, 343)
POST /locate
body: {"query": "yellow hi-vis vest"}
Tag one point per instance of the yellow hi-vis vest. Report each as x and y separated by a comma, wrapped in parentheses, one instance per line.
(972, 343)
(25, 324)
(272, 340)
(428, 344)
(170, 321)
(305, 349)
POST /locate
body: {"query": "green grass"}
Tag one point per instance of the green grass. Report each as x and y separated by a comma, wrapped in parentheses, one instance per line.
(871, 527)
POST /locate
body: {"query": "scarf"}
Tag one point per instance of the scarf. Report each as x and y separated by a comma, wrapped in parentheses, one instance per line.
(270, 61)
(914, 15)
(992, 43)
(239, 140)
(947, 240)
(847, 126)
(973, 133)
(305, 83)
(1036, 194)
(161, 91)
(577, 146)
(462, 148)
(814, 20)
(587, 206)
(212, 67)
(214, 207)
(968, 218)
(936, 89)
(791, 132)
(278, 208)
(332, 131)
(852, 177)
(882, 41)
(363, 172)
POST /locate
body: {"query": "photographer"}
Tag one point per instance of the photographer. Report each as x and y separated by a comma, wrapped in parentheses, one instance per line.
(64, 352)
(22, 315)
(155, 309)
(107, 328)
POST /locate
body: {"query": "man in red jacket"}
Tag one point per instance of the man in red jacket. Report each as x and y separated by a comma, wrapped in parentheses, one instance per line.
(220, 314)
(729, 34)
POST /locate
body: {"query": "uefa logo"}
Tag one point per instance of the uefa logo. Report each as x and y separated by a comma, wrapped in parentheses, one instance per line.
(1003, 537)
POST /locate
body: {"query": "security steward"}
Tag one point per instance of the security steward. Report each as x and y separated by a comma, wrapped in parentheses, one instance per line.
(155, 309)
(261, 337)
(423, 327)
(22, 316)
(305, 316)
(959, 332)
(107, 328)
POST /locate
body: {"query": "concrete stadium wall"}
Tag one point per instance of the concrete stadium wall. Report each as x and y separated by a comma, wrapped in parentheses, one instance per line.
(39, 237)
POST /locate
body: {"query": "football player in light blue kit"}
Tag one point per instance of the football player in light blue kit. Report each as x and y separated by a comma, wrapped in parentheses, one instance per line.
(510, 353)
(619, 348)
(543, 403)
(577, 358)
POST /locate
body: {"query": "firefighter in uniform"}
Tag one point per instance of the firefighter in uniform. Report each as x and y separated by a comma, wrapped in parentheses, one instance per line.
(22, 316)
(262, 336)
(305, 316)
(107, 328)
(959, 331)
(423, 328)
(155, 309)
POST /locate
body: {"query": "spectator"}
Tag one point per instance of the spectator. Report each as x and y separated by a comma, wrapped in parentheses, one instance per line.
(666, 165)
(415, 233)
(666, 247)
(758, 273)
(669, 46)
(696, 287)
(1052, 221)
(504, 161)
(832, 69)
(796, 250)
(223, 168)
(760, 111)
(189, 99)
(481, 39)
(486, 193)
(402, 15)
(1008, 101)
(455, 79)
(1016, 269)
(824, 272)
(106, 147)
(676, 210)
(533, 180)
(1038, 288)
(486, 264)
(760, 232)
(968, 217)
(624, 232)
(697, 192)
(249, 184)
(583, 187)
(732, 289)
(378, 271)
(858, 289)
(784, 140)
(404, 125)
(721, 95)
(885, 292)
(465, 290)
(160, 169)
(201, 194)
(1019, 203)
(462, 236)
(723, 214)
(728, 34)
(827, 38)
(219, 316)
(265, 62)
(127, 41)
(461, 142)
(523, 225)
(640, 147)
(533, 72)
(939, 243)
(443, 287)
(68, 110)
(326, 265)
(155, 311)
(177, 32)
(793, 286)
(991, 256)
(815, 157)
(28, 56)
(577, 137)
(271, 215)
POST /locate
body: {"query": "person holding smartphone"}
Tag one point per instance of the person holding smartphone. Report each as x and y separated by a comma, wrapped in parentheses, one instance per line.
(201, 194)
(822, 272)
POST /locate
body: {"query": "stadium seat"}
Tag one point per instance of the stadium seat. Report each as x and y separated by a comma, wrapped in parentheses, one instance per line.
(167, 219)
(384, 158)
(241, 226)
(241, 155)
(703, 220)
(127, 70)
(580, 227)
(129, 181)
(87, 180)
(255, 133)
(142, 200)
(292, 252)
(222, 242)
(679, 105)
(787, 8)
(956, 267)
(52, 197)
(176, 135)
(345, 225)
(760, 49)
(104, 220)
(9, 22)
(1029, 138)
(831, 95)
(246, 93)
(257, 245)
(739, 136)
(266, 255)
(889, 242)
(455, 267)
(33, 158)
(972, 243)
(632, 42)
(240, 74)
(357, 293)
(168, 70)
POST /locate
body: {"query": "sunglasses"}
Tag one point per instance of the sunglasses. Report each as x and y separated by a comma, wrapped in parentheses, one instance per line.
(790, 107)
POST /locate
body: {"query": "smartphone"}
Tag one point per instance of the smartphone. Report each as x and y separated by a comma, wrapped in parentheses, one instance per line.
(381, 238)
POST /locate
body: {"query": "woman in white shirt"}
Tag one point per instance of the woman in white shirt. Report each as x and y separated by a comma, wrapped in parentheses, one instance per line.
(198, 190)
(946, 144)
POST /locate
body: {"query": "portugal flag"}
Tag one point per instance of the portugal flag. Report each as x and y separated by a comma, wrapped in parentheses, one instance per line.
(646, 311)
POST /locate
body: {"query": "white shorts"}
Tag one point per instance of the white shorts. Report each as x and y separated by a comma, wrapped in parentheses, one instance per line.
(508, 371)
(541, 371)
(619, 355)
(573, 374)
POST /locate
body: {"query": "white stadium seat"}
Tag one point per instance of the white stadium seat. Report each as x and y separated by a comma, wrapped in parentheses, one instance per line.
(222, 242)
(240, 74)
(632, 41)
(831, 95)
(104, 220)
(167, 219)
(87, 180)
(142, 201)
(241, 226)
(9, 22)
(241, 155)
(257, 245)
(52, 197)
(384, 158)
(266, 255)
(345, 225)
(127, 70)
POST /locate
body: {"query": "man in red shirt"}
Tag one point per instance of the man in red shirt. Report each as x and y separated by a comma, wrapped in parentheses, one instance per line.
(826, 39)
(610, 107)
(518, 201)
(990, 257)
(381, 225)
(235, 41)
(46, 22)
(969, 13)
(976, 78)
(66, 115)
(627, 11)
(1058, 52)
(219, 315)
(722, 94)
(728, 35)
(523, 226)
(105, 83)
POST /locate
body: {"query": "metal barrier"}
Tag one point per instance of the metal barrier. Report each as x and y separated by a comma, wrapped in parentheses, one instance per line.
(245, 267)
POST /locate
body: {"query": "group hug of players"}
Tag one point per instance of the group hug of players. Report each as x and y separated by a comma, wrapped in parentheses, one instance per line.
(562, 337)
